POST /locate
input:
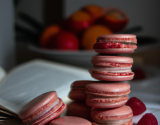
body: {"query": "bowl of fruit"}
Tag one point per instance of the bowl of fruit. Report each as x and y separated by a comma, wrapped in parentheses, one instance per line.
(72, 40)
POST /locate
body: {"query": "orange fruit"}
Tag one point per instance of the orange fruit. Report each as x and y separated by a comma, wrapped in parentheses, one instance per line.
(47, 34)
(90, 35)
(94, 10)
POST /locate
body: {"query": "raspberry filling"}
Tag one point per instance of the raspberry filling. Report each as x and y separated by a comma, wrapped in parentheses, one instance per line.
(114, 74)
(107, 45)
(115, 64)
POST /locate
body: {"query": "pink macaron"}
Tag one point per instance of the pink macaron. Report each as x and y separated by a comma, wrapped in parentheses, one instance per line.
(70, 120)
(107, 95)
(117, 116)
(115, 44)
(111, 68)
(79, 109)
(42, 109)
(77, 92)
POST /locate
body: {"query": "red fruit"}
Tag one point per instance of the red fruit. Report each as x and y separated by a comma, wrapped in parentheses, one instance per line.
(65, 40)
(137, 106)
(148, 119)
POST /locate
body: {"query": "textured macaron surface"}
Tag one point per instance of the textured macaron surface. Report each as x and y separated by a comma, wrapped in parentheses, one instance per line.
(108, 89)
(117, 122)
(77, 91)
(40, 109)
(79, 109)
(111, 74)
(81, 83)
(70, 120)
(38, 105)
(115, 44)
(105, 115)
(118, 38)
(111, 61)
(107, 95)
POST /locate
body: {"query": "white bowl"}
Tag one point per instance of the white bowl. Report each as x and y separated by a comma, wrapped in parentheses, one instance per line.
(80, 58)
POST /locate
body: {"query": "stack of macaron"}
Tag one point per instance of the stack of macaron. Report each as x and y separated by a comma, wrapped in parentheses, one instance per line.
(46, 109)
(77, 94)
(109, 96)
(105, 100)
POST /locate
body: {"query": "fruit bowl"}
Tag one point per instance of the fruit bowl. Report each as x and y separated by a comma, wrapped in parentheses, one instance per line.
(80, 58)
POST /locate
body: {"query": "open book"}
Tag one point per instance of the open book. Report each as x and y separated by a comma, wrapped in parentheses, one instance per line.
(31, 79)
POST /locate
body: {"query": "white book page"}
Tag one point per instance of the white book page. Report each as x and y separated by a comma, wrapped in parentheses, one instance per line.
(2, 74)
(8, 106)
(36, 77)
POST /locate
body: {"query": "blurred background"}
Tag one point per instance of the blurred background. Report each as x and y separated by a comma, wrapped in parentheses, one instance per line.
(29, 27)
(65, 30)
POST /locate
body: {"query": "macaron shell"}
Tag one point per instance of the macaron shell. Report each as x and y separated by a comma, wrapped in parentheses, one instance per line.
(108, 89)
(77, 92)
(79, 109)
(123, 112)
(70, 120)
(115, 59)
(128, 123)
(77, 95)
(52, 114)
(115, 51)
(37, 105)
(103, 77)
(119, 36)
(81, 83)
(110, 102)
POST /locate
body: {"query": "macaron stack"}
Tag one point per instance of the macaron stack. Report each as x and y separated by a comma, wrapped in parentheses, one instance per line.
(78, 107)
(108, 98)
